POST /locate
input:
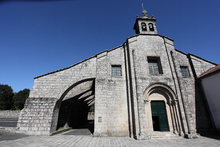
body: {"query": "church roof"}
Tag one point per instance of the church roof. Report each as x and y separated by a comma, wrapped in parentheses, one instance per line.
(210, 71)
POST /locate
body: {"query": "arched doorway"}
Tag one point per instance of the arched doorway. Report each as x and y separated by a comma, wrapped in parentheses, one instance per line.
(162, 110)
(75, 108)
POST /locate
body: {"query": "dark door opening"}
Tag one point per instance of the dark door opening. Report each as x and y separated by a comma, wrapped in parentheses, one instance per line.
(76, 114)
(159, 116)
(156, 123)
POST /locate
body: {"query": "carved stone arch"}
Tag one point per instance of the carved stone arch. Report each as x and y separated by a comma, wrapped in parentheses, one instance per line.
(64, 95)
(67, 88)
(163, 89)
(163, 93)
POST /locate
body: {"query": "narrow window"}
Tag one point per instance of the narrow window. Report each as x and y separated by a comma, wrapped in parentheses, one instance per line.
(154, 65)
(143, 26)
(116, 71)
(184, 71)
(151, 27)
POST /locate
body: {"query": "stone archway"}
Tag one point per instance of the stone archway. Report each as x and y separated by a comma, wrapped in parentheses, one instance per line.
(159, 95)
(75, 108)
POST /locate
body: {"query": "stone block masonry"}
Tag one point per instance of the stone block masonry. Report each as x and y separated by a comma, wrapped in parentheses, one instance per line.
(36, 117)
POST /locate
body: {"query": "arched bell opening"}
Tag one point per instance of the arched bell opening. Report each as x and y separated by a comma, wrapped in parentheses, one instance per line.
(75, 108)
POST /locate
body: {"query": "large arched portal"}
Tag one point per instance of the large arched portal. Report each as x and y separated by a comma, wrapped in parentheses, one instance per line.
(162, 110)
(75, 108)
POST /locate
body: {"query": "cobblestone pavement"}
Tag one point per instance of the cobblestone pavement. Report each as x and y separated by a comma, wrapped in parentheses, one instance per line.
(89, 141)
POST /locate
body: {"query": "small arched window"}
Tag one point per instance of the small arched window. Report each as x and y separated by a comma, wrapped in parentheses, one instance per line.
(143, 26)
(151, 27)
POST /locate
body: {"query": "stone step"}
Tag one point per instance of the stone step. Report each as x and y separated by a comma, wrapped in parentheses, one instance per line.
(162, 135)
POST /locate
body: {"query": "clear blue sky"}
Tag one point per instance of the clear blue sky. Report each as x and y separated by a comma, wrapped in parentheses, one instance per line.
(39, 37)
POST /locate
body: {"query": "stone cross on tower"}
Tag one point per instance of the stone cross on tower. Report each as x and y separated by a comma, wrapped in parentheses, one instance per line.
(145, 24)
(144, 12)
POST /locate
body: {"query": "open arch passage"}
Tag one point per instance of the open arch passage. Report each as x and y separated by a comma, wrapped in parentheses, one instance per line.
(75, 113)
(75, 109)
(159, 116)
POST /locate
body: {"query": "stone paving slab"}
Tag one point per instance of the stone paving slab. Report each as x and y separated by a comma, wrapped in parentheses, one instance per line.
(89, 141)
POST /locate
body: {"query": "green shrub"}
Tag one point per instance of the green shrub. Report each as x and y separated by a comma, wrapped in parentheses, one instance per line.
(6, 94)
(20, 98)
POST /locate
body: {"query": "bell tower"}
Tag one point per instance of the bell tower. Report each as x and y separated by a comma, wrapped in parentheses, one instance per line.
(145, 24)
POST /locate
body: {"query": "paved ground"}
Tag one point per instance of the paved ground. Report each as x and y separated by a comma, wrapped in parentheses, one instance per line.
(5, 135)
(81, 138)
(78, 132)
(62, 140)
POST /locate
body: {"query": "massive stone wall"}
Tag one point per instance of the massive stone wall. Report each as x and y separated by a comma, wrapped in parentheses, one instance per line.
(187, 88)
(111, 113)
(140, 48)
(36, 117)
(38, 114)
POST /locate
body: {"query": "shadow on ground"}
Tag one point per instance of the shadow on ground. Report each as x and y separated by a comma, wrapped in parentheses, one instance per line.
(4, 135)
(85, 132)
(213, 136)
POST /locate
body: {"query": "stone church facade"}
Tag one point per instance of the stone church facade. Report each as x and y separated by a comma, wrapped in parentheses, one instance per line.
(141, 89)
